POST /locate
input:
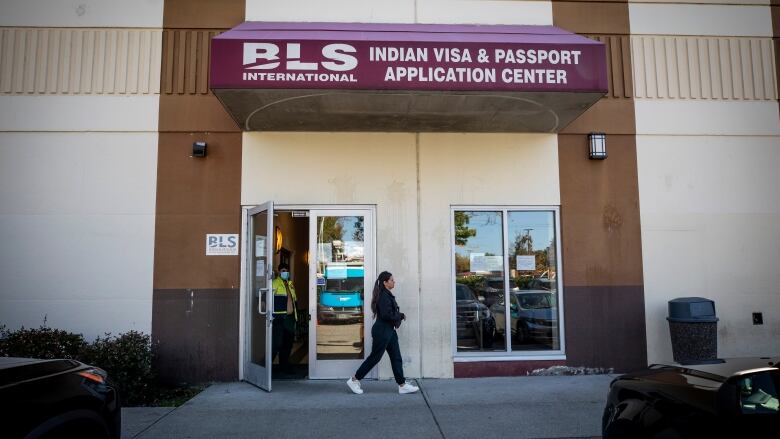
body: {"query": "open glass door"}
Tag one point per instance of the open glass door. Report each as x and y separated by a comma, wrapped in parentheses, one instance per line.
(258, 319)
(342, 273)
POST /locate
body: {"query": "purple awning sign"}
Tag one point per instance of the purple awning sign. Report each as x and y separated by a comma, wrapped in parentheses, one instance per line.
(329, 56)
(405, 77)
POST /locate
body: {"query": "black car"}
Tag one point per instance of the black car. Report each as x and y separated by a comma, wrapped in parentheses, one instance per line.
(476, 326)
(735, 398)
(56, 398)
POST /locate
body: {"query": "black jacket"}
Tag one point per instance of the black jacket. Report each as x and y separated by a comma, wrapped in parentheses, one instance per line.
(387, 309)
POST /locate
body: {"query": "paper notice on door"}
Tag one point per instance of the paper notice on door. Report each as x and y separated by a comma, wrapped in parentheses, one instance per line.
(526, 262)
(477, 262)
(495, 262)
(259, 245)
(260, 268)
(486, 263)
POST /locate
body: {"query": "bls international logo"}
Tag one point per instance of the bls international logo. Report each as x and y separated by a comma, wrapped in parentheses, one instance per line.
(268, 56)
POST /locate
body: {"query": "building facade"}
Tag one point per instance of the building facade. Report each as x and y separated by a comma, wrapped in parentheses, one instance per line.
(105, 211)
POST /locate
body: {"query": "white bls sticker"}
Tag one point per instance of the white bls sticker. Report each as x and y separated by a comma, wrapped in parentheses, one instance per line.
(221, 244)
(266, 56)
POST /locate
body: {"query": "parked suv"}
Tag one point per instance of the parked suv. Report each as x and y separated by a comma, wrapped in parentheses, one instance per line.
(57, 399)
(475, 323)
(533, 316)
(492, 289)
(737, 398)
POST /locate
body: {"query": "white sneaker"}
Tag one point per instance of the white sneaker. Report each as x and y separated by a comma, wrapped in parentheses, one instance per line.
(354, 386)
(407, 388)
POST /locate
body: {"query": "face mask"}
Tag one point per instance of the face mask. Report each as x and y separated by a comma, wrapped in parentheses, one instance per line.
(285, 275)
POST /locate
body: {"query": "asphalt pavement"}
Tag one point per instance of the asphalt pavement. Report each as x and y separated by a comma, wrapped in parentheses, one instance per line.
(517, 407)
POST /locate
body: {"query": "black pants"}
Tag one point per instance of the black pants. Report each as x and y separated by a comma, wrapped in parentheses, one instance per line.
(384, 339)
(283, 337)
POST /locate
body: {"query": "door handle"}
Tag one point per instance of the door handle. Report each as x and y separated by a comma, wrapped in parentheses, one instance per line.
(261, 302)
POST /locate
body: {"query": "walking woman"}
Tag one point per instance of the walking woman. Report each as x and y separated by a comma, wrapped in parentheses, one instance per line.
(388, 318)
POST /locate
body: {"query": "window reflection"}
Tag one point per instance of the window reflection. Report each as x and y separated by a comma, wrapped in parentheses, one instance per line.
(481, 281)
(534, 289)
(340, 287)
(758, 393)
(479, 274)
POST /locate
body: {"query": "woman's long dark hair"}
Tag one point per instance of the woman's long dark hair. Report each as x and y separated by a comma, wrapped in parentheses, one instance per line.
(379, 285)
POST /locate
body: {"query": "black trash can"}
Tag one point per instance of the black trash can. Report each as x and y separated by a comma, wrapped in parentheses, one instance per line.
(694, 330)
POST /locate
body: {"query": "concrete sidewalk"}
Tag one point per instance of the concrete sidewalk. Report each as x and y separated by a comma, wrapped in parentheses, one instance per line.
(520, 407)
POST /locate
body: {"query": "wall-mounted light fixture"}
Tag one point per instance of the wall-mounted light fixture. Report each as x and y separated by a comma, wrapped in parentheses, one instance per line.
(279, 238)
(199, 149)
(597, 143)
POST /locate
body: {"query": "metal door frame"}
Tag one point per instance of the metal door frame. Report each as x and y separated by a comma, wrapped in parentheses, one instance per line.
(330, 369)
(249, 371)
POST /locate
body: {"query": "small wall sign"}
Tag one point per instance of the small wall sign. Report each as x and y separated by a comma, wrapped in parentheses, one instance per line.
(222, 244)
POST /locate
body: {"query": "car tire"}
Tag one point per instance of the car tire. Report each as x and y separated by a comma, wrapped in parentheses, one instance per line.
(623, 429)
(488, 336)
(76, 423)
(521, 335)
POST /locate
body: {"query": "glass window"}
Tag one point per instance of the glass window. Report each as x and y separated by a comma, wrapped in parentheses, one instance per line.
(479, 285)
(758, 393)
(481, 279)
(533, 269)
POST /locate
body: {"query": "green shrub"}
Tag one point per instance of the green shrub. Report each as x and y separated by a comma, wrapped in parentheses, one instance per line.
(128, 360)
(44, 342)
(473, 281)
(127, 357)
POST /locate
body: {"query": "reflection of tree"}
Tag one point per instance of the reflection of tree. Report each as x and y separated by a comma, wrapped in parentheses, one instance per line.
(358, 234)
(545, 259)
(330, 229)
(524, 244)
(462, 263)
(462, 231)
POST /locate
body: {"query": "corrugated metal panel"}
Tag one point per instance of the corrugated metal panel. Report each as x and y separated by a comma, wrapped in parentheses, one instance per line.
(185, 60)
(79, 61)
(703, 68)
(618, 65)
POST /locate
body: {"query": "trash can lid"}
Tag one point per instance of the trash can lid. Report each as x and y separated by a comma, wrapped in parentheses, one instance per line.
(692, 310)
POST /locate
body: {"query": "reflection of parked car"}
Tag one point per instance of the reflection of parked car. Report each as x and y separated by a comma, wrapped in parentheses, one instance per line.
(340, 307)
(475, 321)
(491, 288)
(736, 398)
(533, 316)
(541, 283)
(57, 398)
(341, 299)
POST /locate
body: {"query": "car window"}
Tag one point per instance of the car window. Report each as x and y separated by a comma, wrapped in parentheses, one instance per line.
(462, 293)
(758, 393)
(534, 301)
(497, 284)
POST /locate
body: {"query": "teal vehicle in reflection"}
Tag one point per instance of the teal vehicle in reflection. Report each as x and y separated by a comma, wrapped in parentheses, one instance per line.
(533, 316)
(340, 293)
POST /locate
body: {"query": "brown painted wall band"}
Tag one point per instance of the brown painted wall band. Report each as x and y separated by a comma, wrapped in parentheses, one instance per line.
(195, 301)
(600, 224)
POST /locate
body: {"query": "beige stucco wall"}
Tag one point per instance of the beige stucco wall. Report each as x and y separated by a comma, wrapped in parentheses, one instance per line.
(708, 142)
(77, 226)
(403, 174)
(79, 106)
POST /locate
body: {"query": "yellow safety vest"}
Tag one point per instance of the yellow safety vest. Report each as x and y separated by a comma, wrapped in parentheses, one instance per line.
(280, 297)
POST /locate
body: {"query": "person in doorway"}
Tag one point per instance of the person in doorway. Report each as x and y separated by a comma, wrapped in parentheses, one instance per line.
(387, 319)
(285, 317)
